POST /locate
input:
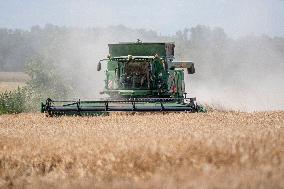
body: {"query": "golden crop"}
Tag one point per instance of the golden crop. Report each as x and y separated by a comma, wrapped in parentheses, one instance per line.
(10, 81)
(205, 150)
(10, 86)
(13, 76)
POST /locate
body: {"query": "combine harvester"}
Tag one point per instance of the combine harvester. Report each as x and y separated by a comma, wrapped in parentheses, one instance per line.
(140, 77)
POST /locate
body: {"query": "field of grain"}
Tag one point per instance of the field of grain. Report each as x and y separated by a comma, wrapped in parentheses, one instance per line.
(10, 86)
(13, 77)
(205, 150)
(10, 81)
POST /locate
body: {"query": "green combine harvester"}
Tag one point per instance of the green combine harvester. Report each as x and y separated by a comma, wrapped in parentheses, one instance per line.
(140, 77)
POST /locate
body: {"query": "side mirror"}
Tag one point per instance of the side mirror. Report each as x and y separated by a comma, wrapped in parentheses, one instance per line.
(191, 70)
(172, 67)
(99, 66)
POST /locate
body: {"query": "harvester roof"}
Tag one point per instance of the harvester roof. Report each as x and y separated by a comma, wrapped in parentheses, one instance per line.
(142, 49)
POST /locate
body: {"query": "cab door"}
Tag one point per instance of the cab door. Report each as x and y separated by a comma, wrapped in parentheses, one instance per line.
(112, 75)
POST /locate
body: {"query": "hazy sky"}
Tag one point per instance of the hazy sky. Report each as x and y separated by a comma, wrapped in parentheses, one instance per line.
(237, 17)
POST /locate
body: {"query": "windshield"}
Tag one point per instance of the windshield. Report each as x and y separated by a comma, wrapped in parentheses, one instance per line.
(136, 75)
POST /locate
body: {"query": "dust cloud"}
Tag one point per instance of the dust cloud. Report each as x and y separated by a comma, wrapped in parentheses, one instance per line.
(245, 74)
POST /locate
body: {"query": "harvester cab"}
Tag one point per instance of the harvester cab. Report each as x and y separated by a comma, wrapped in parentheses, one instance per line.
(139, 77)
(144, 70)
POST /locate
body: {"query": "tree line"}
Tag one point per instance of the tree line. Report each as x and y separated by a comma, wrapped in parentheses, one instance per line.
(200, 43)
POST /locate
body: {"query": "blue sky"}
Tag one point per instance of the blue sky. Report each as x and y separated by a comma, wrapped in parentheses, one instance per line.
(237, 17)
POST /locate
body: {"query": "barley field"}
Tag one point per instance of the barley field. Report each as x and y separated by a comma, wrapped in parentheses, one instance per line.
(10, 81)
(13, 76)
(10, 86)
(204, 150)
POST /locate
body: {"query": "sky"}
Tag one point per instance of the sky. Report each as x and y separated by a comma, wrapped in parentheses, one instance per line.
(237, 17)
